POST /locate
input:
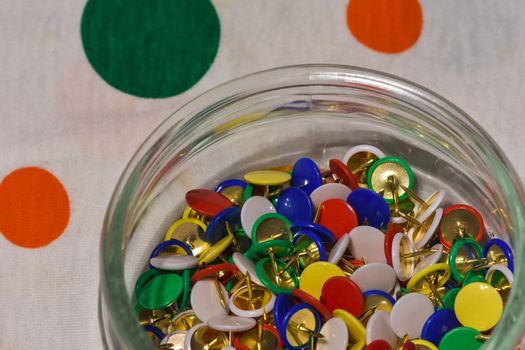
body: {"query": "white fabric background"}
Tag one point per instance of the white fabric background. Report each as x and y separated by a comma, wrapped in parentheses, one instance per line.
(58, 114)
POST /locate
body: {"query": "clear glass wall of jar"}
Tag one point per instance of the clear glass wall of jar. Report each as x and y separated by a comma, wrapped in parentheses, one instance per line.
(276, 116)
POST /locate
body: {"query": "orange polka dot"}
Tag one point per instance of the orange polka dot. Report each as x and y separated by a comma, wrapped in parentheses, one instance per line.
(34, 207)
(389, 26)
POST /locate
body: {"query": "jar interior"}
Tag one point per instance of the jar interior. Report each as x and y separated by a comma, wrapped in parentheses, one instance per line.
(278, 127)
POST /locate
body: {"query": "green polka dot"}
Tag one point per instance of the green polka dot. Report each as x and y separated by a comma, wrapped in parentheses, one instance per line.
(150, 48)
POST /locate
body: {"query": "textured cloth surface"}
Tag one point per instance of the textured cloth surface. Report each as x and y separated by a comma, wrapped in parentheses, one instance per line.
(58, 114)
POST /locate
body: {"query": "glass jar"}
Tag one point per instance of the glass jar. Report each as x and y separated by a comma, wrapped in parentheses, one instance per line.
(273, 118)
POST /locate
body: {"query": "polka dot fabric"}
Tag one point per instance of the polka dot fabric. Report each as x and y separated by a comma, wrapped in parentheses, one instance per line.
(150, 49)
(388, 26)
(85, 81)
(34, 207)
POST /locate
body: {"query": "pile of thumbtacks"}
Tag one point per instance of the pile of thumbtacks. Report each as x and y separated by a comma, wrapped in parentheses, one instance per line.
(297, 257)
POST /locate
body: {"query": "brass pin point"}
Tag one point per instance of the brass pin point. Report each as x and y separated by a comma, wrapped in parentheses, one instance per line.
(241, 279)
(399, 294)
(482, 263)
(503, 288)
(482, 337)
(189, 243)
(301, 327)
(153, 320)
(317, 214)
(419, 231)
(307, 252)
(367, 313)
(267, 191)
(479, 264)
(275, 267)
(401, 341)
(296, 337)
(186, 324)
(210, 344)
(260, 329)
(351, 267)
(434, 291)
(392, 185)
(235, 242)
(289, 264)
(328, 177)
(461, 230)
(409, 218)
(363, 166)
(276, 235)
(418, 253)
(249, 290)
(218, 289)
(414, 196)
(348, 267)
(230, 338)
(311, 341)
